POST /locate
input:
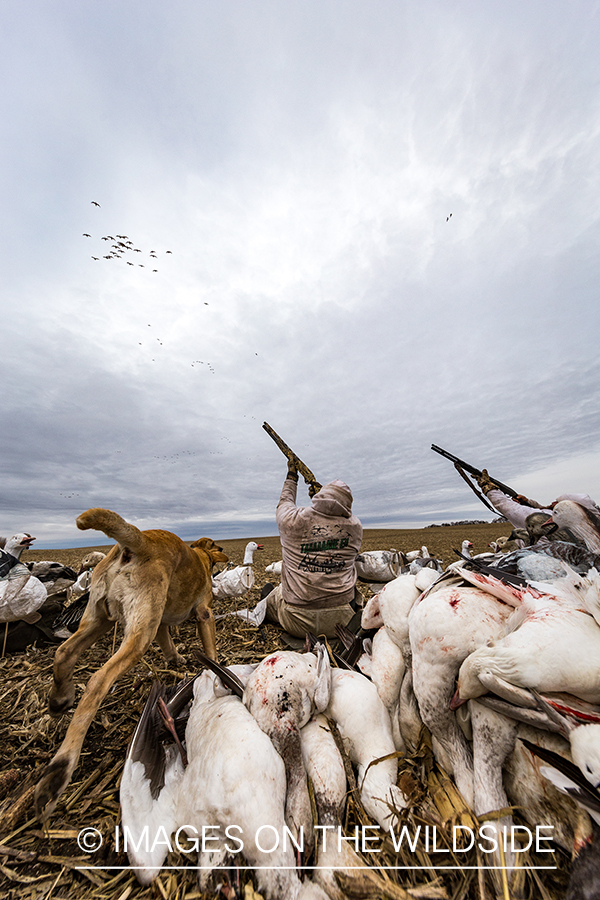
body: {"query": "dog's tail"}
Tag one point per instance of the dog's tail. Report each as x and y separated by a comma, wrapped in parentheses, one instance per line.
(113, 526)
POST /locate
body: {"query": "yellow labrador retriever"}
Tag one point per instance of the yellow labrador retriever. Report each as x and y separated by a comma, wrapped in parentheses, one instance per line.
(148, 581)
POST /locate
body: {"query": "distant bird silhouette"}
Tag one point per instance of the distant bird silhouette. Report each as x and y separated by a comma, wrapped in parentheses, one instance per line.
(105, 239)
(129, 263)
(122, 236)
(168, 251)
(94, 203)
(448, 217)
(108, 257)
(155, 270)
(142, 266)
(95, 257)
(86, 235)
(135, 250)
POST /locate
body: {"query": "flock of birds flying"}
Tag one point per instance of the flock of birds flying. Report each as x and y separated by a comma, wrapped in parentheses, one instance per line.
(120, 246)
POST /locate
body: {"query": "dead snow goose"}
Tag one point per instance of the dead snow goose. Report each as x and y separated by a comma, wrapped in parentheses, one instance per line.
(549, 652)
(582, 521)
(385, 667)
(325, 769)
(223, 787)
(148, 792)
(282, 693)
(366, 731)
(446, 624)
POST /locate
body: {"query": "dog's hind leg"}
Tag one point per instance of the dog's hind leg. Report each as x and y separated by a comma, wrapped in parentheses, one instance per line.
(58, 772)
(165, 642)
(62, 694)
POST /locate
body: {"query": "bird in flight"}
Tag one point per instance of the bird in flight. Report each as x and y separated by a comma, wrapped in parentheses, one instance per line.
(168, 251)
(448, 217)
(96, 257)
(94, 203)
(86, 235)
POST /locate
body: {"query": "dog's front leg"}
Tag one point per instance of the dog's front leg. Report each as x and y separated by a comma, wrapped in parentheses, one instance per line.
(208, 630)
(165, 642)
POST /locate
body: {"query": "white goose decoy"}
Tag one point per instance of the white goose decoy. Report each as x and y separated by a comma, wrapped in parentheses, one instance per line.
(366, 731)
(282, 693)
(417, 554)
(237, 581)
(466, 548)
(91, 561)
(21, 594)
(379, 565)
(274, 568)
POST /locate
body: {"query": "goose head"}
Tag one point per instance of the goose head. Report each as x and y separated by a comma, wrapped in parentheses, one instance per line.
(17, 543)
(251, 548)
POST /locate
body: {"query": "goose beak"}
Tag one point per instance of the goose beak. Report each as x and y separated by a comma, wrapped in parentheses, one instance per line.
(27, 541)
(457, 700)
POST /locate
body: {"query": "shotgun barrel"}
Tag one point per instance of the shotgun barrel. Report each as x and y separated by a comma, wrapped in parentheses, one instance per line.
(476, 472)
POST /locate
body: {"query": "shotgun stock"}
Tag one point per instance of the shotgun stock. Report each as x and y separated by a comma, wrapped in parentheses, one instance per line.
(306, 473)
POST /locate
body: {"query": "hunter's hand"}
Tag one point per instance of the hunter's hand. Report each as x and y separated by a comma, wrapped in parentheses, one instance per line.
(292, 469)
(485, 482)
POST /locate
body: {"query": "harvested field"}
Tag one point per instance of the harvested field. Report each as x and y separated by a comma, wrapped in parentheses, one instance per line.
(45, 863)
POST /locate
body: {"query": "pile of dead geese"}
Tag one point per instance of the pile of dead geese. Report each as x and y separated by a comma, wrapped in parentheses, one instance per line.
(496, 656)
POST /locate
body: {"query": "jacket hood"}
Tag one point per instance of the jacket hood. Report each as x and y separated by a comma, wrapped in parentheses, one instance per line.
(334, 499)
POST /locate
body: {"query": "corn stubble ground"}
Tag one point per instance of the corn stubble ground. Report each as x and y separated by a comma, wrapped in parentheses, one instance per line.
(44, 863)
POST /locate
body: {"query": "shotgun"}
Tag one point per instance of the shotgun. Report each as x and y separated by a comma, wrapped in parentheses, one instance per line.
(476, 472)
(306, 473)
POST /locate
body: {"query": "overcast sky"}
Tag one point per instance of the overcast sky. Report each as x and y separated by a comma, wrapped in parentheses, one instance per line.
(300, 160)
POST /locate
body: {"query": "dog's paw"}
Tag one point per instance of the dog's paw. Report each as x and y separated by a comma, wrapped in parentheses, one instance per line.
(54, 780)
(176, 662)
(58, 704)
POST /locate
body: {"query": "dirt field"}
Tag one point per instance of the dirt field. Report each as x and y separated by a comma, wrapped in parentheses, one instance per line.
(440, 541)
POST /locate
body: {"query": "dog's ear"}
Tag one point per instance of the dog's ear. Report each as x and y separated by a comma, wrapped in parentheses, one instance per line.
(208, 545)
(202, 544)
